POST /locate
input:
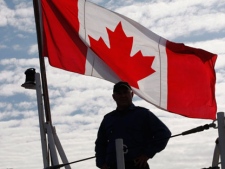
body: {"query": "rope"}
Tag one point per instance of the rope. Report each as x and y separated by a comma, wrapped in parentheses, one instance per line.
(191, 131)
(216, 167)
(199, 129)
(62, 165)
(212, 168)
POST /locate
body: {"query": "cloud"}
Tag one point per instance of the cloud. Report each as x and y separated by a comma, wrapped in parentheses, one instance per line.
(5, 13)
(17, 47)
(170, 19)
(21, 36)
(3, 47)
(33, 49)
(22, 17)
(97, 1)
(20, 63)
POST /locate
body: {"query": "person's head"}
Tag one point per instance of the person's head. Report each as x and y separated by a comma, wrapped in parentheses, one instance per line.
(122, 94)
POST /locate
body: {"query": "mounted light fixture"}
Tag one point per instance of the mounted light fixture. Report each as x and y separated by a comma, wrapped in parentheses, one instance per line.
(30, 79)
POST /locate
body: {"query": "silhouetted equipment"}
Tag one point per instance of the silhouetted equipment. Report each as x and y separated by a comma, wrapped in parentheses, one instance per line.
(30, 79)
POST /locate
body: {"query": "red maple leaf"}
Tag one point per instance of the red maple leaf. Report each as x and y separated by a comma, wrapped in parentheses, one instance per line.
(117, 57)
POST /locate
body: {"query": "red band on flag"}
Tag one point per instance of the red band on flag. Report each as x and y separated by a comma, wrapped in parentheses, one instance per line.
(191, 81)
(62, 44)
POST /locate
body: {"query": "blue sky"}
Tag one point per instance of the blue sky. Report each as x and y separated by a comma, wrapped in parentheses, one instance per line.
(78, 103)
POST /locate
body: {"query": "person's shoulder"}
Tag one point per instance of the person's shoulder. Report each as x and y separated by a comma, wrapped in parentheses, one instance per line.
(139, 108)
(110, 114)
(143, 110)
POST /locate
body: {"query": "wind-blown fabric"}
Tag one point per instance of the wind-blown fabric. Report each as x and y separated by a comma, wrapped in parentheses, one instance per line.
(82, 37)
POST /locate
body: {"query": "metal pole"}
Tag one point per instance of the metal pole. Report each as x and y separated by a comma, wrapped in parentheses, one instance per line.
(41, 121)
(221, 131)
(216, 155)
(52, 147)
(120, 154)
(37, 17)
(60, 150)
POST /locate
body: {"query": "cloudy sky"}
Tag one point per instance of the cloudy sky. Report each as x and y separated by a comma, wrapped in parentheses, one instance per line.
(78, 103)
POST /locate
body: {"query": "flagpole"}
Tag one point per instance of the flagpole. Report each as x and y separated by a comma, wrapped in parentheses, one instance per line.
(42, 62)
(53, 141)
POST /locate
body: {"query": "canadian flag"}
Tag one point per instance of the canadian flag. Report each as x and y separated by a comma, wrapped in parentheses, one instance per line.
(85, 38)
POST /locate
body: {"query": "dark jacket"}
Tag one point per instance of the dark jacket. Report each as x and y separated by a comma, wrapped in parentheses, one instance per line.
(142, 132)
